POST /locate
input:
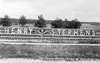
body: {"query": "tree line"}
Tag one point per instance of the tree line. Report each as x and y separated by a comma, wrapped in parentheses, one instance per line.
(41, 22)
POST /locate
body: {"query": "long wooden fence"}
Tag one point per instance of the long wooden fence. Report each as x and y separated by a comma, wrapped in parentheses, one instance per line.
(54, 34)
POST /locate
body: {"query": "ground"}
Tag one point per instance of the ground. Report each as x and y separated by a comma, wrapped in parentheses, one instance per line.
(14, 60)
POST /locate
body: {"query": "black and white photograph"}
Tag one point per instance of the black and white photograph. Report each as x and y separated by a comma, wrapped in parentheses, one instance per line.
(49, 31)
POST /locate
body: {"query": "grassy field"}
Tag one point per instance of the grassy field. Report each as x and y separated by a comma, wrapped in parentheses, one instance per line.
(49, 51)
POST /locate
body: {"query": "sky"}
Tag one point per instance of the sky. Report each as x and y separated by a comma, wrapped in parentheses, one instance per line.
(83, 10)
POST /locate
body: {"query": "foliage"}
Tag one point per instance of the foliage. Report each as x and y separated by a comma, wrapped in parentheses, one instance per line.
(40, 23)
(5, 21)
(66, 24)
(22, 20)
(73, 24)
(58, 23)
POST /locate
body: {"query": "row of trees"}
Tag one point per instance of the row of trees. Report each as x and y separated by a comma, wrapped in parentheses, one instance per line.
(6, 21)
(59, 23)
(41, 22)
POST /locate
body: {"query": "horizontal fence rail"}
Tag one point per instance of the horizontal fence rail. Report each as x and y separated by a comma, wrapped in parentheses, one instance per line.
(50, 44)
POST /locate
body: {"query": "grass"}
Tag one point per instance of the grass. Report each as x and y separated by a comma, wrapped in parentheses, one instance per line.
(91, 41)
(49, 51)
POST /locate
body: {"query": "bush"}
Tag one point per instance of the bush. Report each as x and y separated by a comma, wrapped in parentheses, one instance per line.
(5, 21)
(57, 23)
(41, 23)
(22, 20)
(73, 24)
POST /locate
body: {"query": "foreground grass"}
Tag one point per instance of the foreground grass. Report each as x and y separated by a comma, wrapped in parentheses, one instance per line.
(49, 51)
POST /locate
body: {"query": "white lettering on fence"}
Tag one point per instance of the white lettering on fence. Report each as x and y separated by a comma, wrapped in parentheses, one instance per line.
(52, 32)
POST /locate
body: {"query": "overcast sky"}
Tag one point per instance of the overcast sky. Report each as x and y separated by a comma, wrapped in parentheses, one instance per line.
(83, 10)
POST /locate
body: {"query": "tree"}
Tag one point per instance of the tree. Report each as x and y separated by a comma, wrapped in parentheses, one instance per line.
(73, 24)
(22, 20)
(66, 23)
(40, 23)
(58, 23)
(5, 21)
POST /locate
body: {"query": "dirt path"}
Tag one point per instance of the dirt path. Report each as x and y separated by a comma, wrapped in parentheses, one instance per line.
(14, 60)
(15, 42)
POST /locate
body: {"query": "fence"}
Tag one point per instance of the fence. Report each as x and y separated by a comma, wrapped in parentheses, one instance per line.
(48, 34)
